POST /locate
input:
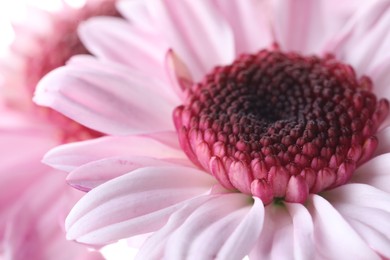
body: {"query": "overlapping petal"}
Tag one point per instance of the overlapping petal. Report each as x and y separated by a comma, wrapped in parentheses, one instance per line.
(362, 195)
(202, 44)
(34, 199)
(145, 51)
(232, 227)
(108, 98)
(381, 77)
(375, 173)
(368, 28)
(30, 234)
(384, 144)
(287, 233)
(16, 176)
(137, 13)
(244, 236)
(371, 224)
(275, 240)
(91, 175)
(303, 231)
(70, 156)
(367, 209)
(242, 15)
(154, 246)
(334, 237)
(134, 203)
(304, 26)
(225, 235)
(30, 217)
(297, 26)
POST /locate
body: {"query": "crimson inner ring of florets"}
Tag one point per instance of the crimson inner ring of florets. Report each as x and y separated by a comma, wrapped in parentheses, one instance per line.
(280, 125)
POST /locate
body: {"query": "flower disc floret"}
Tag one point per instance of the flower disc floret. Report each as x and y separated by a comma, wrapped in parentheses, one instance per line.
(280, 125)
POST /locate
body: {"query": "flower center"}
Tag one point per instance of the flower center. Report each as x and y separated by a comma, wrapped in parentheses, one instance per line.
(280, 125)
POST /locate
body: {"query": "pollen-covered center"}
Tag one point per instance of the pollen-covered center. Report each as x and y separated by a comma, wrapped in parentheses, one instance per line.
(280, 125)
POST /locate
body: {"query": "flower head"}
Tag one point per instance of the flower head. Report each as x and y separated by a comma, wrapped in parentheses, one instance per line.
(271, 151)
(34, 199)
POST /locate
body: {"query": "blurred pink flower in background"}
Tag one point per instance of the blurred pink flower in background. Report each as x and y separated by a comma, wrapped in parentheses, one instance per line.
(141, 179)
(34, 199)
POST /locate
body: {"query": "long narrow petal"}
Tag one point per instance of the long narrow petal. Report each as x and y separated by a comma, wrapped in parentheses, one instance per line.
(277, 237)
(196, 32)
(249, 22)
(369, 28)
(109, 98)
(154, 246)
(70, 156)
(224, 228)
(282, 238)
(367, 209)
(375, 173)
(360, 194)
(384, 141)
(134, 203)
(303, 231)
(381, 78)
(302, 25)
(371, 224)
(92, 174)
(137, 13)
(243, 238)
(334, 237)
(178, 73)
(117, 40)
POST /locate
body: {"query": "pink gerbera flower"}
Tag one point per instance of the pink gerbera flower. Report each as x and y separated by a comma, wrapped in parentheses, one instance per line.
(34, 200)
(271, 151)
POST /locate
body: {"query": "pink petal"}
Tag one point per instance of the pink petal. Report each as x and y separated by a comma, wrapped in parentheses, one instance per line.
(154, 246)
(375, 173)
(34, 229)
(179, 75)
(334, 237)
(70, 156)
(158, 83)
(16, 176)
(303, 231)
(137, 13)
(361, 195)
(107, 37)
(384, 141)
(134, 203)
(367, 209)
(196, 32)
(248, 20)
(369, 27)
(276, 239)
(381, 78)
(91, 175)
(107, 97)
(33, 198)
(301, 25)
(244, 236)
(371, 224)
(223, 227)
(168, 138)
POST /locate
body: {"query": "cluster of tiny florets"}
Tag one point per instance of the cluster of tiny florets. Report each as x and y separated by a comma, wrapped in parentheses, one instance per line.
(280, 125)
